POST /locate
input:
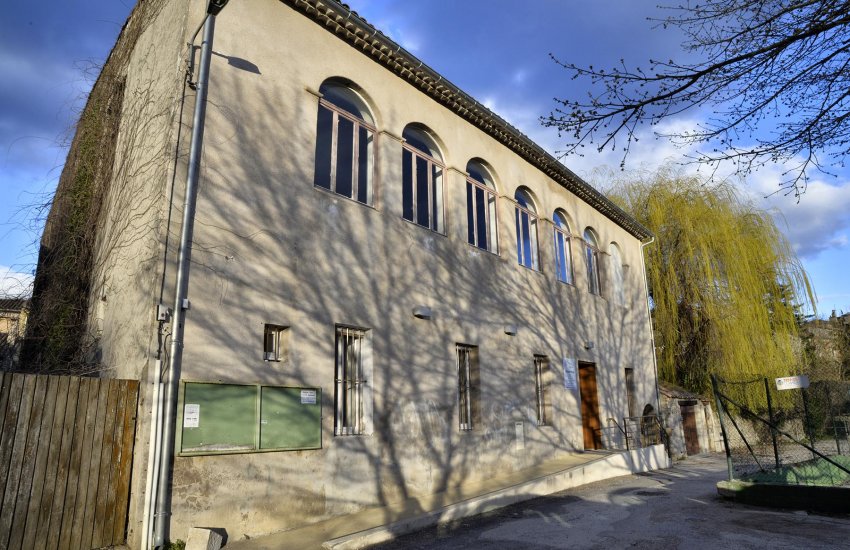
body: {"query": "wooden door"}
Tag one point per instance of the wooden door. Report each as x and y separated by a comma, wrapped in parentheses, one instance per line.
(689, 425)
(589, 406)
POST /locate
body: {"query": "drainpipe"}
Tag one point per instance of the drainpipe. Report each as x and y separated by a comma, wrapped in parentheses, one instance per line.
(181, 302)
(651, 330)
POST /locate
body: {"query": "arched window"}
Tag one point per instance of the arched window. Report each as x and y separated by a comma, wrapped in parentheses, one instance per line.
(526, 229)
(480, 207)
(563, 254)
(617, 274)
(345, 142)
(591, 259)
(422, 171)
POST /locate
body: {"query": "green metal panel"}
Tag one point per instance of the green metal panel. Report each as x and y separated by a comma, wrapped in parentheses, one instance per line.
(226, 418)
(290, 418)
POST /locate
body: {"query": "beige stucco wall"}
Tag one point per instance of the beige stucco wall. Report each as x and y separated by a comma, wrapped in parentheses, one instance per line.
(271, 248)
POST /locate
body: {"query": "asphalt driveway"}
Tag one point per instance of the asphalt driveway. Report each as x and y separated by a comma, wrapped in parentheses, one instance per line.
(673, 508)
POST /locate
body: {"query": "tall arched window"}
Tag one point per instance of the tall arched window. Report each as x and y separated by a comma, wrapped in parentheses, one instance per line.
(480, 207)
(563, 254)
(422, 179)
(617, 274)
(526, 229)
(591, 259)
(345, 142)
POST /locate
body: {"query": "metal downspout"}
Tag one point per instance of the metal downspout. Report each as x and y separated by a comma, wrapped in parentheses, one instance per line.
(163, 496)
(651, 328)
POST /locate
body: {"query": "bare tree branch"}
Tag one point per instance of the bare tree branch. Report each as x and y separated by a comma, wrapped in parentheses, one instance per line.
(773, 74)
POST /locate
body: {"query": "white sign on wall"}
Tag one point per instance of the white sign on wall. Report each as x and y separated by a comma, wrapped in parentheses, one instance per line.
(792, 382)
(191, 415)
(570, 381)
(308, 397)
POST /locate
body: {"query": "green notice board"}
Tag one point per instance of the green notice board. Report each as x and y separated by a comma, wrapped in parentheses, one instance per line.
(237, 418)
(290, 418)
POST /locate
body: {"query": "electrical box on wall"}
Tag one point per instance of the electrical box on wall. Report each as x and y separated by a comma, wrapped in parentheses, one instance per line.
(162, 313)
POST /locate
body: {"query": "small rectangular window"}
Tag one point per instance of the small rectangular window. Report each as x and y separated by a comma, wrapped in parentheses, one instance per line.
(467, 386)
(351, 402)
(273, 342)
(541, 382)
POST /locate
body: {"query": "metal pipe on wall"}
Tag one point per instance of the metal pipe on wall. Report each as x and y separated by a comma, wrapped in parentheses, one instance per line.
(169, 416)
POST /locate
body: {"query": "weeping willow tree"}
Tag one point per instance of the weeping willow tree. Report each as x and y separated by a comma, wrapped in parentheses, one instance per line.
(724, 282)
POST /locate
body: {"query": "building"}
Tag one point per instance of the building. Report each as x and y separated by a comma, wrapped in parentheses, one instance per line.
(393, 291)
(13, 322)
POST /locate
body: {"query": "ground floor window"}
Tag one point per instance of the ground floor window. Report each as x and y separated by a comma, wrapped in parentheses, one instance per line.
(467, 386)
(541, 382)
(351, 403)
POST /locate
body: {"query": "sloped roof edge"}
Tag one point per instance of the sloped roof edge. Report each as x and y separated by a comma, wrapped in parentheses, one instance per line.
(350, 27)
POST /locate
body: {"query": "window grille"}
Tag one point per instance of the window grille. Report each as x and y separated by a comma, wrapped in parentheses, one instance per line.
(541, 368)
(349, 382)
(464, 387)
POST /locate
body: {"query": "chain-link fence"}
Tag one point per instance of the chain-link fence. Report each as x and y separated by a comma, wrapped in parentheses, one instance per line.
(794, 436)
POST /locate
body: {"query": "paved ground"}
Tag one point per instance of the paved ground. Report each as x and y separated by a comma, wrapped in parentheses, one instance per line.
(675, 508)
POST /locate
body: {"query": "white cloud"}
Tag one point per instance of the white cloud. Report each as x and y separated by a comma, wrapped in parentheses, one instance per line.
(14, 284)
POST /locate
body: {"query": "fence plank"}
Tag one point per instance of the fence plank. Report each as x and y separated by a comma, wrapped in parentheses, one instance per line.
(13, 476)
(107, 422)
(85, 461)
(93, 464)
(69, 506)
(12, 387)
(22, 501)
(114, 455)
(125, 464)
(5, 380)
(66, 394)
(40, 463)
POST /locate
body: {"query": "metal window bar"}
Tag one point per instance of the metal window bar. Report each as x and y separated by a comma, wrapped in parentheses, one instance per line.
(464, 387)
(541, 365)
(433, 166)
(349, 382)
(336, 112)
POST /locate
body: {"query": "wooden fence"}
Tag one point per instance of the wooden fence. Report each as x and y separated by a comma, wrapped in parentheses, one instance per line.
(66, 451)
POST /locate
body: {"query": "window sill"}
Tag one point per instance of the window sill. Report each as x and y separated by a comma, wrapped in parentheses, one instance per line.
(425, 227)
(483, 250)
(338, 196)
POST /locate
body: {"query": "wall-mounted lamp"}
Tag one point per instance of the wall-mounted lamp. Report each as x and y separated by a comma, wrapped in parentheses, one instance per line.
(422, 312)
(588, 344)
(510, 330)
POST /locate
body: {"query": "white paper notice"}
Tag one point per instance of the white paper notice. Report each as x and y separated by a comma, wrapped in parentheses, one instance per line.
(308, 397)
(191, 415)
(570, 382)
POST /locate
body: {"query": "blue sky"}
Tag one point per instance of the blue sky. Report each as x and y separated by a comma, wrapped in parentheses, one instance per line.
(496, 50)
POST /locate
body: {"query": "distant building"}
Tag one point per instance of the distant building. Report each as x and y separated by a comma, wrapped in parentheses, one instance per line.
(13, 322)
(393, 291)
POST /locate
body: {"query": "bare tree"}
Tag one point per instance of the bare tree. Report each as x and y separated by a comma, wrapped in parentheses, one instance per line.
(774, 74)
